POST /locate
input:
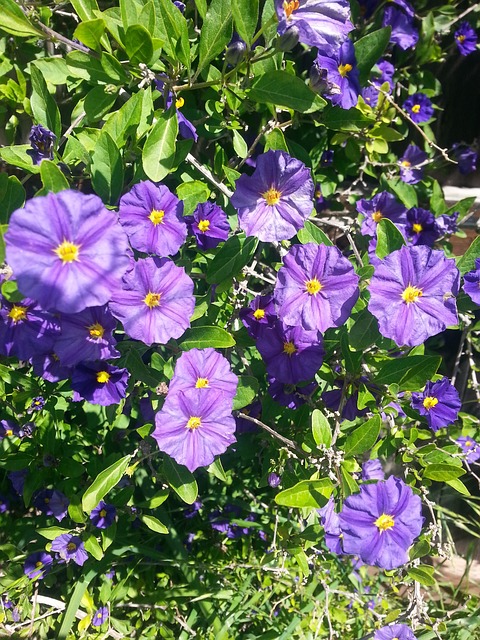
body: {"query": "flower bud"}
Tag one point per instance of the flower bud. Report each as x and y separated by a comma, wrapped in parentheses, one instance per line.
(288, 40)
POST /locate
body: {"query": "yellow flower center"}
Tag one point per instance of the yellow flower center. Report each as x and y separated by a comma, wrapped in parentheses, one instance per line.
(156, 216)
(290, 7)
(193, 423)
(318, 193)
(289, 348)
(103, 513)
(468, 443)
(272, 196)
(406, 163)
(384, 522)
(429, 402)
(179, 103)
(461, 38)
(39, 564)
(201, 383)
(344, 69)
(410, 294)
(377, 216)
(258, 314)
(71, 546)
(67, 251)
(204, 225)
(17, 313)
(96, 331)
(152, 299)
(9, 432)
(103, 377)
(417, 227)
(313, 286)
(416, 108)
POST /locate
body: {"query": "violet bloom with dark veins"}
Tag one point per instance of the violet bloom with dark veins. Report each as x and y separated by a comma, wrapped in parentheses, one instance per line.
(471, 283)
(152, 217)
(103, 516)
(331, 523)
(52, 503)
(156, 301)
(421, 227)
(470, 447)
(342, 76)
(394, 632)
(320, 23)
(316, 288)
(403, 32)
(204, 369)
(70, 547)
(465, 38)
(67, 251)
(42, 141)
(37, 565)
(260, 311)
(412, 294)
(372, 470)
(101, 615)
(209, 225)
(274, 202)
(193, 427)
(418, 107)
(185, 128)
(291, 354)
(86, 336)
(410, 170)
(439, 402)
(99, 383)
(382, 205)
(49, 367)
(380, 523)
(289, 395)
(466, 157)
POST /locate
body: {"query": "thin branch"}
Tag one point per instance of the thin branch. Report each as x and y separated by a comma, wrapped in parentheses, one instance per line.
(206, 173)
(54, 36)
(289, 443)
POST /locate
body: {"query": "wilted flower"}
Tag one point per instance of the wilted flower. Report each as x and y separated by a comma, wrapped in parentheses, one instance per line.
(209, 225)
(466, 38)
(186, 129)
(343, 81)
(411, 170)
(42, 141)
(70, 547)
(394, 632)
(403, 32)
(99, 383)
(471, 283)
(466, 157)
(37, 565)
(382, 205)
(103, 516)
(447, 224)
(204, 369)
(418, 107)
(439, 402)
(470, 447)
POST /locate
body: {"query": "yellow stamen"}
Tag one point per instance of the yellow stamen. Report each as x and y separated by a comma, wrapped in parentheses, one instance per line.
(410, 294)
(258, 314)
(461, 38)
(289, 348)
(344, 69)
(193, 423)
(384, 522)
(468, 443)
(290, 7)
(103, 377)
(71, 546)
(416, 108)
(313, 286)
(102, 513)
(179, 103)
(67, 251)
(429, 402)
(377, 216)
(406, 163)
(156, 216)
(38, 564)
(417, 227)
(272, 196)
(17, 313)
(9, 432)
(201, 383)
(96, 331)
(204, 225)
(152, 299)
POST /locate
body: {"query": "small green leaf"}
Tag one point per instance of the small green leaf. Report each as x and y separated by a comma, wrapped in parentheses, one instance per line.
(245, 16)
(173, 31)
(138, 44)
(216, 32)
(239, 145)
(458, 486)
(159, 151)
(107, 169)
(156, 500)
(423, 574)
(216, 469)
(92, 547)
(340, 119)
(98, 102)
(14, 21)
(466, 262)
(153, 524)
(364, 331)
(389, 238)
(192, 193)
(247, 391)
(363, 437)
(275, 140)
(12, 196)
(43, 105)
(312, 233)
(203, 337)
(181, 480)
(90, 33)
(369, 49)
(321, 430)
(442, 472)
(284, 89)
(50, 533)
(307, 493)
(405, 192)
(103, 483)
(53, 179)
(410, 373)
(232, 257)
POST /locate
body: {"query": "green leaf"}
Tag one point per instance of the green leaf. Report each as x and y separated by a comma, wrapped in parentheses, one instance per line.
(466, 262)
(153, 524)
(321, 430)
(106, 70)
(232, 257)
(12, 196)
(245, 16)
(90, 33)
(98, 102)
(340, 119)
(181, 480)
(459, 486)
(159, 151)
(239, 145)
(405, 192)
(216, 32)
(131, 359)
(410, 373)
(155, 501)
(423, 574)
(364, 332)
(284, 89)
(217, 470)
(107, 169)
(203, 337)
(363, 437)
(52, 177)
(14, 21)
(17, 156)
(275, 140)
(43, 105)
(103, 483)
(369, 49)
(389, 238)
(92, 547)
(192, 193)
(307, 493)
(128, 119)
(443, 472)
(50, 533)
(173, 31)
(353, 359)
(247, 391)
(138, 44)
(312, 233)
(85, 9)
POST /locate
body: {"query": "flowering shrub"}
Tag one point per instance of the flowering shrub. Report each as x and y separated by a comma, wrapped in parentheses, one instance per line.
(237, 339)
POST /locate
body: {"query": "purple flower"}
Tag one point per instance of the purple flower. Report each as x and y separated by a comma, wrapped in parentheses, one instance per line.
(320, 203)
(67, 251)
(421, 227)
(25, 329)
(439, 402)
(394, 632)
(289, 395)
(275, 201)
(36, 404)
(466, 39)
(471, 283)
(412, 294)
(380, 523)
(243, 425)
(316, 288)
(260, 311)
(151, 216)
(17, 478)
(99, 383)
(48, 367)
(291, 354)
(193, 509)
(326, 159)
(470, 447)
(372, 470)
(320, 23)
(4, 504)
(383, 205)
(342, 79)
(37, 565)
(466, 157)
(42, 141)
(404, 32)
(70, 547)
(418, 107)
(447, 224)
(185, 128)
(103, 516)
(410, 170)
(387, 71)
(331, 523)
(8, 428)
(100, 616)
(193, 427)
(209, 225)
(52, 503)
(156, 301)
(204, 369)
(274, 480)
(86, 336)
(370, 96)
